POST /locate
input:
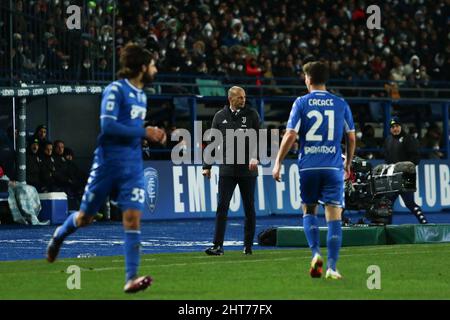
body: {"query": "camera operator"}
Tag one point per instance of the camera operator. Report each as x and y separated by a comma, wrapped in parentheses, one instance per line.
(398, 147)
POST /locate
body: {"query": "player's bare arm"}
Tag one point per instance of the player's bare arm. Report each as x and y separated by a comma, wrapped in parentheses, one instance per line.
(350, 146)
(286, 144)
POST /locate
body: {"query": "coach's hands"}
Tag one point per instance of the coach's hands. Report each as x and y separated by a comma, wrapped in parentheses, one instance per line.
(207, 173)
(156, 134)
(253, 165)
(276, 172)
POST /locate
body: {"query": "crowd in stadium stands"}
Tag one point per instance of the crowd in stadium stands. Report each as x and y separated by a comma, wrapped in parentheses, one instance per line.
(43, 49)
(254, 38)
(250, 38)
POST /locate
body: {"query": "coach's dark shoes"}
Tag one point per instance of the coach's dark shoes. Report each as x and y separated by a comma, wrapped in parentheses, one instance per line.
(214, 251)
(53, 247)
(248, 251)
(138, 284)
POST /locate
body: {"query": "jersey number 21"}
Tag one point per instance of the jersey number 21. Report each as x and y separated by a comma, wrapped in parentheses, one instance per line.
(311, 134)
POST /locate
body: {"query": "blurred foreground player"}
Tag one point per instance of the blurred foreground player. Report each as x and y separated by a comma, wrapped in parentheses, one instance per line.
(320, 119)
(118, 160)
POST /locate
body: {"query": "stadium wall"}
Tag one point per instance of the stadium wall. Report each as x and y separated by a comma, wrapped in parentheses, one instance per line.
(180, 191)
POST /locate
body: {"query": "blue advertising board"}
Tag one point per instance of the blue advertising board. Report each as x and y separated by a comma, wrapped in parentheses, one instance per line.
(180, 191)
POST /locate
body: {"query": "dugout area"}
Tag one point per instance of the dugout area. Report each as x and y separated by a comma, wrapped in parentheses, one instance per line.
(371, 235)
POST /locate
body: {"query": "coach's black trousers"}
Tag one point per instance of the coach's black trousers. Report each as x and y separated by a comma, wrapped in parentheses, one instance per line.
(227, 184)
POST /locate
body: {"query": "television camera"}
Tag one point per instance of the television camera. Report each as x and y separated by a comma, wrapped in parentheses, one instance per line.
(374, 190)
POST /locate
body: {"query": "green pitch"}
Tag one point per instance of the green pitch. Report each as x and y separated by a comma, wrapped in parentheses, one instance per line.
(407, 272)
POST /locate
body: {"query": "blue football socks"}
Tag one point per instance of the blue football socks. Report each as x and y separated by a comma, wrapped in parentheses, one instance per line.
(68, 227)
(132, 252)
(311, 227)
(334, 241)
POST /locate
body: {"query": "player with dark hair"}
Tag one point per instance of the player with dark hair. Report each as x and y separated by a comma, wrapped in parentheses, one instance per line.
(117, 161)
(320, 118)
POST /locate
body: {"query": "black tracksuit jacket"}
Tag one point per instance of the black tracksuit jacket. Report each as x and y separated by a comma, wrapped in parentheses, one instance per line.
(403, 147)
(245, 119)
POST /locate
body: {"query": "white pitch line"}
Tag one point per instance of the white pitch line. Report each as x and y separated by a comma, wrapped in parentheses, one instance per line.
(256, 260)
(362, 254)
(282, 250)
(251, 261)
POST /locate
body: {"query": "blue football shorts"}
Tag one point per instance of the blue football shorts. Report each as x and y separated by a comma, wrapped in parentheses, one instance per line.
(126, 179)
(324, 186)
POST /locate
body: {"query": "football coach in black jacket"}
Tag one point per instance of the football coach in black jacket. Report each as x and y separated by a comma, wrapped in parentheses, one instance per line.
(403, 147)
(231, 120)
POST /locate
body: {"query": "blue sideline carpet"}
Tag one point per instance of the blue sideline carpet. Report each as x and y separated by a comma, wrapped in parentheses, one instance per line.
(106, 238)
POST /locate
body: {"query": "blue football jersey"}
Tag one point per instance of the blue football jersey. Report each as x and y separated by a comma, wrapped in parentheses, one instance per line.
(320, 118)
(127, 105)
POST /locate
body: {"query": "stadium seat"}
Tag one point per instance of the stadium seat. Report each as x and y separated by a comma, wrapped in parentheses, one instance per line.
(210, 87)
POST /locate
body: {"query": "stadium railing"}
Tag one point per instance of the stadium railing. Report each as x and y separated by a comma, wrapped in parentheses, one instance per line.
(183, 84)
